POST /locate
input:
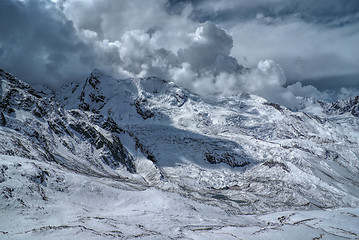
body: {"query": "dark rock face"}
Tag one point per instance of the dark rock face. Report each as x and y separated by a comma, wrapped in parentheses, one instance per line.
(345, 106)
(113, 153)
(91, 98)
(2, 120)
(46, 121)
(3, 169)
(281, 165)
(141, 110)
(275, 105)
(231, 159)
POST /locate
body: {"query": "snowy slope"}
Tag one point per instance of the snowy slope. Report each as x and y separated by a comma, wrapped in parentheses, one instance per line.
(107, 155)
(45, 201)
(259, 155)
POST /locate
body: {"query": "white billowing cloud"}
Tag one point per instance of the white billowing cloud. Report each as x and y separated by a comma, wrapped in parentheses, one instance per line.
(183, 75)
(210, 47)
(268, 80)
(135, 38)
(199, 66)
(267, 75)
(112, 19)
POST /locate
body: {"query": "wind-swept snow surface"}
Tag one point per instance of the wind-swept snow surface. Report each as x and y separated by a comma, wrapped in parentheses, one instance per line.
(42, 201)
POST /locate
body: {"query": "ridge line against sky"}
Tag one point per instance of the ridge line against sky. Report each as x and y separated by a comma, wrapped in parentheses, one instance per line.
(205, 46)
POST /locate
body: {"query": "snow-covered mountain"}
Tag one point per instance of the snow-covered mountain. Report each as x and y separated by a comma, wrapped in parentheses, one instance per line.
(110, 152)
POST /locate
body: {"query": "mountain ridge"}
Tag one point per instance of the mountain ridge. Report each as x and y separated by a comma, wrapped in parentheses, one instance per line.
(242, 154)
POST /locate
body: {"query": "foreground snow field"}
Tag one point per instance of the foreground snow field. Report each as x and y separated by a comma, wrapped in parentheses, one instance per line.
(107, 208)
(144, 158)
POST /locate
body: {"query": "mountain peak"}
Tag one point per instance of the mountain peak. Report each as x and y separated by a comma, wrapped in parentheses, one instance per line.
(97, 72)
(12, 80)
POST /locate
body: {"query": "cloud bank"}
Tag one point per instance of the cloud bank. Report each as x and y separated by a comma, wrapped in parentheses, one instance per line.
(311, 40)
(205, 46)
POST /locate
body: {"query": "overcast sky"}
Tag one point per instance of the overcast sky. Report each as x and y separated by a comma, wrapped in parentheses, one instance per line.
(278, 49)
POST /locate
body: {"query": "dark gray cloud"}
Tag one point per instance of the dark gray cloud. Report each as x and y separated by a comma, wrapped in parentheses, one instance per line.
(332, 12)
(39, 44)
(201, 45)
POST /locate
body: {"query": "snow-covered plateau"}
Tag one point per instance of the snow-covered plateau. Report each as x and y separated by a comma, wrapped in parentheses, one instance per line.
(145, 159)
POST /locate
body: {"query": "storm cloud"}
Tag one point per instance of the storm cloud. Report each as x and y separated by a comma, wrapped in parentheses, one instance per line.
(39, 44)
(276, 49)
